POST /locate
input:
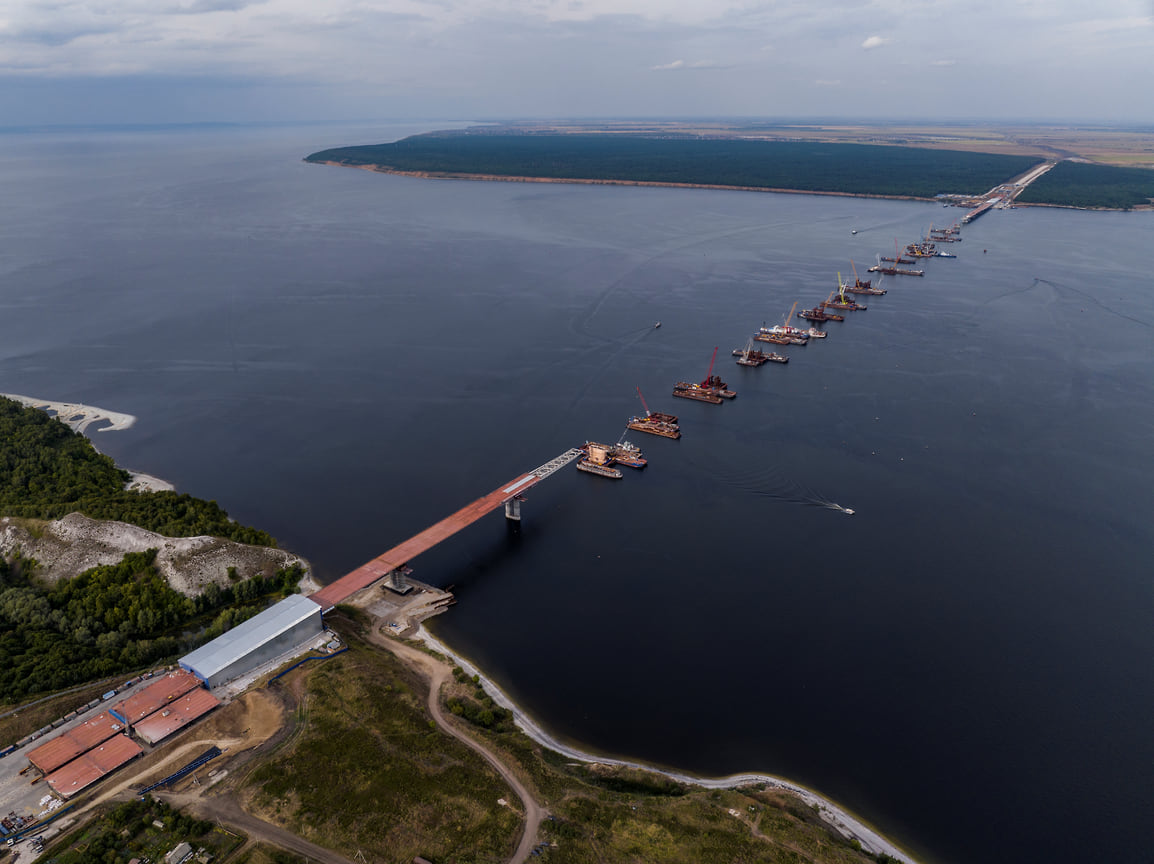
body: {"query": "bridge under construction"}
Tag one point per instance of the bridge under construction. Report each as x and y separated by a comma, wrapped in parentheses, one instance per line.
(393, 564)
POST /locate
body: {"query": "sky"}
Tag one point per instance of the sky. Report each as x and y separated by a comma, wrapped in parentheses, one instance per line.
(164, 61)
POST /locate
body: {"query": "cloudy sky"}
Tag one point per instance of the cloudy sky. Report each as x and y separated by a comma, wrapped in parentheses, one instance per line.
(68, 61)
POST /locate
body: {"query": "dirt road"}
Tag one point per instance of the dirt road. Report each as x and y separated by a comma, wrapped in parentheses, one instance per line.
(437, 672)
(227, 810)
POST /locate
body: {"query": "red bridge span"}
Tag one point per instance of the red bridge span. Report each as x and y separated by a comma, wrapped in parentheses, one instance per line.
(393, 563)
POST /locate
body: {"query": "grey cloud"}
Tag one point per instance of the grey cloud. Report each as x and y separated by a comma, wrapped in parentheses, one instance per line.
(200, 7)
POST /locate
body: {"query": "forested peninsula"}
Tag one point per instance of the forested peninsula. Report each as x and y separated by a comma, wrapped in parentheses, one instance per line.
(48, 471)
(794, 166)
(849, 169)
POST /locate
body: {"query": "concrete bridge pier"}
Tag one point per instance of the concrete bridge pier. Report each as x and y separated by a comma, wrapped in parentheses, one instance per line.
(513, 509)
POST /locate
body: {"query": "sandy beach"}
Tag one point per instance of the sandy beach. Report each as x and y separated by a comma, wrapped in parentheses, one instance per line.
(79, 417)
(841, 819)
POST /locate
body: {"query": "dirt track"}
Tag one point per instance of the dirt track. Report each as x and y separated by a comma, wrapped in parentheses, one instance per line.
(438, 672)
(226, 809)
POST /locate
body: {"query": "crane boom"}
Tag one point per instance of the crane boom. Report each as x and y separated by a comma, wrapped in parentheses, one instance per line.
(792, 309)
(709, 374)
(648, 413)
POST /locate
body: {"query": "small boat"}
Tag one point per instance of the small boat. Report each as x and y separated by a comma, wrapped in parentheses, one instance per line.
(854, 231)
(946, 255)
(814, 333)
(658, 324)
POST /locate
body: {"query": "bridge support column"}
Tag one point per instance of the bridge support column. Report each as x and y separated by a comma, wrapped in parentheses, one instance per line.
(397, 580)
(513, 509)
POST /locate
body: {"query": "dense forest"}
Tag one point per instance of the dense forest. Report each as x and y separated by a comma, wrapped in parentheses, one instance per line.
(848, 168)
(48, 471)
(111, 620)
(1079, 184)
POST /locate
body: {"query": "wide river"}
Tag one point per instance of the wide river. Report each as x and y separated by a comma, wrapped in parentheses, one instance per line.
(343, 358)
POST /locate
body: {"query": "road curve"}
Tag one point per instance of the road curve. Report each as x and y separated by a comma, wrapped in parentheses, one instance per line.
(437, 672)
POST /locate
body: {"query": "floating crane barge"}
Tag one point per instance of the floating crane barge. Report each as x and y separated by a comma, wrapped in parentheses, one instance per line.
(711, 390)
(654, 422)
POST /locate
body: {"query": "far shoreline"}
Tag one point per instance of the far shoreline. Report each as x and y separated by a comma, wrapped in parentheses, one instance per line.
(587, 181)
(839, 818)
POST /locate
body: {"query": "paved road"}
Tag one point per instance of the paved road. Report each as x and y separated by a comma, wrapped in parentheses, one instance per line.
(438, 672)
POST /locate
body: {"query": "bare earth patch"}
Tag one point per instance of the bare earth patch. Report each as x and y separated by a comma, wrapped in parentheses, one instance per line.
(71, 545)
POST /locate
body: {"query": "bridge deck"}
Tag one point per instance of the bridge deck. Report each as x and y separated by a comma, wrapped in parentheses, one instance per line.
(398, 556)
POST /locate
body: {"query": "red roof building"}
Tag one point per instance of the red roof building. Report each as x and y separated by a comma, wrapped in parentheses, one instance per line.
(87, 768)
(155, 696)
(68, 745)
(160, 724)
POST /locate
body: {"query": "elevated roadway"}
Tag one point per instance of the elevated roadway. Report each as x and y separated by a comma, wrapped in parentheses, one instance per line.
(396, 559)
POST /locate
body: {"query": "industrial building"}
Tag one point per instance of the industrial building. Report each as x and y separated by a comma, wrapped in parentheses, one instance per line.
(291, 622)
(68, 745)
(167, 721)
(93, 764)
(153, 697)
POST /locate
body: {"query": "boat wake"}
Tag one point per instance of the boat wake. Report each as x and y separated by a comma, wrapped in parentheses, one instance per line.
(621, 344)
(773, 484)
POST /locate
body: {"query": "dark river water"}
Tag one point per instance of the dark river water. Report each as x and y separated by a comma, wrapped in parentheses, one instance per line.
(343, 358)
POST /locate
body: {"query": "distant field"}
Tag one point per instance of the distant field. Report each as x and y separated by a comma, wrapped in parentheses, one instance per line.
(1108, 145)
(854, 169)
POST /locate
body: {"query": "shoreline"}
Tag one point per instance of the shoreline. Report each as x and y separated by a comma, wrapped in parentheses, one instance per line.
(504, 178)
(839, 818)
(585, 181)
(78, 417)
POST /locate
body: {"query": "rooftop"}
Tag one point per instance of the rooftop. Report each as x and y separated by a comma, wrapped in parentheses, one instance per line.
(222, 652)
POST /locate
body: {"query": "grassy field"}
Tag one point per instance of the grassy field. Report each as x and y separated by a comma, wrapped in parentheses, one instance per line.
(362, 769)
(1107, 145)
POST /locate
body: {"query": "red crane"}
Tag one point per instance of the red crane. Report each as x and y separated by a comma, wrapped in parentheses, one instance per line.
(648, 413)
(710, 379)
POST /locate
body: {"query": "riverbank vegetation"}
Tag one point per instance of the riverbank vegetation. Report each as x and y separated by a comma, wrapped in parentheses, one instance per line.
(1079, 184)
(858, 169)
(48, 471)
(363, 768)
(111, 620)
